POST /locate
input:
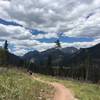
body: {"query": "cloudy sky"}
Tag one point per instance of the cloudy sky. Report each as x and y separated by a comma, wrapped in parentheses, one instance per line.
(36, 24)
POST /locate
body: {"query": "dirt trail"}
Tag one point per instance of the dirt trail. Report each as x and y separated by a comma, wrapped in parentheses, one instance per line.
(61, 93)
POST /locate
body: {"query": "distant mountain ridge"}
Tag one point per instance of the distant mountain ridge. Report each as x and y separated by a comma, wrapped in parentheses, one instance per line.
(14, 60)
(69, 50)
(92, 52)
(55, 53)
(82, 64)
(68, 55)
(10, 59)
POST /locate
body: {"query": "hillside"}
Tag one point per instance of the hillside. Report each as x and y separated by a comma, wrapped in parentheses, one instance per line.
(7, 58)
(17, 85)
(81, 55)
(85, 63)
(58, 55)
(81, 90)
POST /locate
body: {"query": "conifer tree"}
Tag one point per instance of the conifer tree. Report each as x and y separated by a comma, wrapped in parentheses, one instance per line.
(6, 45)
(49, 65)
(6, 52)
(58, 44)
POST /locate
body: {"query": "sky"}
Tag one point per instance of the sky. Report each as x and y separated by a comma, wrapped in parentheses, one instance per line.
(36, 24)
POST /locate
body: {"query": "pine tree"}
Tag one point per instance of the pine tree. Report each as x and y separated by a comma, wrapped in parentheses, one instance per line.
(6, 52)
(58, 44)
(3, 57)
(49, 65)
(87, 65)
(6, 45)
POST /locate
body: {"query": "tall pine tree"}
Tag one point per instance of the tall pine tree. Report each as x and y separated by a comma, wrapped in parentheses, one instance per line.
(6, 45)
(6, 52)
(58, 44)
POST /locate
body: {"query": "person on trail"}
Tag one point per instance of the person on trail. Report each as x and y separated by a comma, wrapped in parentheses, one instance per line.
(30, 72)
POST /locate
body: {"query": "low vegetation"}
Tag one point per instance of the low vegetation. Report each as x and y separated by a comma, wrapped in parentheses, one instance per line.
(82, 91)
(16, 85)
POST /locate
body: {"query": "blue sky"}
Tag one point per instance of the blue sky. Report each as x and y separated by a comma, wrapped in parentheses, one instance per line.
(67, 39)
(32, 25)
(6, 22)
(36, 32)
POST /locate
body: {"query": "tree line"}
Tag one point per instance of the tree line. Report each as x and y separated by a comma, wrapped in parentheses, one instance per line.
(87, 70)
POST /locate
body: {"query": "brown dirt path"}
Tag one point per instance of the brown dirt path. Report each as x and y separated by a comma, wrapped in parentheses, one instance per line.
(61, 93)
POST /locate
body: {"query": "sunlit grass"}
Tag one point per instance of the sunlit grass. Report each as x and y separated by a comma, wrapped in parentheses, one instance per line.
(16, 85)
(81, 90)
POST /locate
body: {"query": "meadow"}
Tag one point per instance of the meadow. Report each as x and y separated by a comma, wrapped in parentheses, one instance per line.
(17, 85)
(81, 90)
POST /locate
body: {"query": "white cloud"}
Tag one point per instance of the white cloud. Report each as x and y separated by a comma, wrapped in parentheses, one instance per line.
(68, 16)
(49, 15)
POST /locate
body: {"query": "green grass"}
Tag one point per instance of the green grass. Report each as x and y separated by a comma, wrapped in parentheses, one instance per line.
(81, 90)
(16, 85)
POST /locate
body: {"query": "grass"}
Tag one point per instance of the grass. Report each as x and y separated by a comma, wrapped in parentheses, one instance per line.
(81, 90)
(16, 85)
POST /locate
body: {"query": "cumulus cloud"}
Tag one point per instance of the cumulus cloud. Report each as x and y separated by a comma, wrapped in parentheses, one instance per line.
(50, 15)
(21, 40)
(75, 18)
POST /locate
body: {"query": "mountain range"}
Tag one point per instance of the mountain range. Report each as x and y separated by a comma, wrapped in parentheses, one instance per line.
(93, 53)
(57, 55)
(7, 58)
(66, 56)
(81, 63)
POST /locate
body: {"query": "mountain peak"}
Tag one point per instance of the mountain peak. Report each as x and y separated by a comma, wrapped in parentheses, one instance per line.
(69, 50)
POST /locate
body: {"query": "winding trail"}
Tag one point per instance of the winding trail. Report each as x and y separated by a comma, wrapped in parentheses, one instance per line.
(61, 93)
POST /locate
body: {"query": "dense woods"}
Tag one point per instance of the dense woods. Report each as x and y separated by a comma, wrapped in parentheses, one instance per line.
(82, 65)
